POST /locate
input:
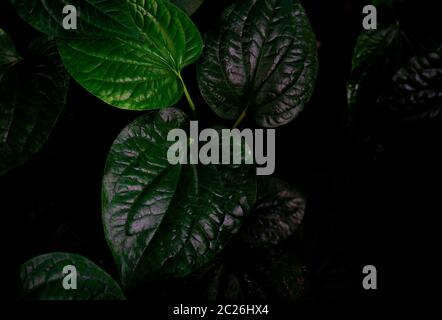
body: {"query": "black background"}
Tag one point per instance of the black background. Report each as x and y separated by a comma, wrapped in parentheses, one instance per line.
(358, 213)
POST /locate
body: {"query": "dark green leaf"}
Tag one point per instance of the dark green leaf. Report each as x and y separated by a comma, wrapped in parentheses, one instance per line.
(263, 261)
(42, 277)
(377, 56)
(189, 6)
(96, 17)
(137, 74)
(416, 91)
(276, 215)
(32, 96)
(260, 59)
(278, 277)
(164, 220)
(8, 54)
(282, 277)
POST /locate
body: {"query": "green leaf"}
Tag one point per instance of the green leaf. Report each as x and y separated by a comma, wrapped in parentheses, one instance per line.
(259, 59)
(41, 278)
(416, 90)
(276, 215)
(95, 17)
(264, 260)
(8, 54)
(377, 56)
(137, 74)
(32, 96)
(189, 6)
(273, 277)
(164, 220)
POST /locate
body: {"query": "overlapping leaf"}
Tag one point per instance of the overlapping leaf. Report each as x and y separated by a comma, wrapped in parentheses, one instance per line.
(164, 220)
(416, 89)
(95, 17)
(32, 96)
(259, 59)
(189, 6)
(276, 215)
(132, 74)
(378, 55)
(41, 278)
(129, 53)
(272, 277)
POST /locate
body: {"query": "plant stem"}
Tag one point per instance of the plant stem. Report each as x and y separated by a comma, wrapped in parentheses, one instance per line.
(240, 119)
(186, 93)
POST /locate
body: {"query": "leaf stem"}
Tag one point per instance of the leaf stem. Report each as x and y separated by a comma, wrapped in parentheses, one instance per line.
(240, 118)
(188, 97)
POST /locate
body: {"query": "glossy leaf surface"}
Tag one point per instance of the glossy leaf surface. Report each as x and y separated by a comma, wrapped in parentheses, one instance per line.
(41, 278)
(259, 59)
(94, 17)
(164, 220)
(136, 74)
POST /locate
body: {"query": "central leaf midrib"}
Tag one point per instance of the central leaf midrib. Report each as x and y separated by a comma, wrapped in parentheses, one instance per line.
(148, 188)
(194, 221)
(251, 91)
(164, 52)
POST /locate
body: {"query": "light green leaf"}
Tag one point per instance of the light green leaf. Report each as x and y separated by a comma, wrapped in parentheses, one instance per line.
(137, 74)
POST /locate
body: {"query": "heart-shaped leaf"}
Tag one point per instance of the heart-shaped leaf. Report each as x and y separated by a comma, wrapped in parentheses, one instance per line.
(189, 6)
(259, 59)
(416, 90)
(377, 56)
(43, 278)
(95, 18)
(32, 96)
(136, 74)
(164, 220)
